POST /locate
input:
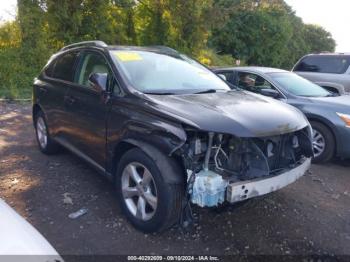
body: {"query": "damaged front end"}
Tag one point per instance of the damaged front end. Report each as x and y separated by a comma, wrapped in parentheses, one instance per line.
(222, 167)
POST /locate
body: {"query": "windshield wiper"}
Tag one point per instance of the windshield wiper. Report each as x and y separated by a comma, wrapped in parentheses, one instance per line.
(206, 91)
(160, 93)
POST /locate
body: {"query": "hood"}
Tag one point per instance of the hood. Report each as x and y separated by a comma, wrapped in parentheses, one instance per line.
(239, 113)
(336, 103)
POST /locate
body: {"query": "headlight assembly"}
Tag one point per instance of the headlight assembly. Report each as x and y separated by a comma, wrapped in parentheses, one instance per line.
(345, 118)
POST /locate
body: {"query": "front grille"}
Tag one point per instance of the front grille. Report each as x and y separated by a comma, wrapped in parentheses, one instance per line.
(283, 151)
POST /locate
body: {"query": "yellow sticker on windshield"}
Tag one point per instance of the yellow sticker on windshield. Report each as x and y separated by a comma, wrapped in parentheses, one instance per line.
(204, 74)
(128, 56)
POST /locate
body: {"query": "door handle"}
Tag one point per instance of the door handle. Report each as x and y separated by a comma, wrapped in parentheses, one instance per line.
(70, 100)
(42, 90)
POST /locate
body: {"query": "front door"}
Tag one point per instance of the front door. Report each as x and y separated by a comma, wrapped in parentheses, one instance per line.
(88, 109)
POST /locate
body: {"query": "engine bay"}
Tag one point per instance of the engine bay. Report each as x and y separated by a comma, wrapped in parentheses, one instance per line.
(213, 161)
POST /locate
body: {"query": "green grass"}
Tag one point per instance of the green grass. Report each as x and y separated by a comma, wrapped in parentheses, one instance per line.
(13, 93)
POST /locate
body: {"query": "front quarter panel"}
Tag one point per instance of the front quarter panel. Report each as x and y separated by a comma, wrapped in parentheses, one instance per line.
(130, 119)
(327, 116)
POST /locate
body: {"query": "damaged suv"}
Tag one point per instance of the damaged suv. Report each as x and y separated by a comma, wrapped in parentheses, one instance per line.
(166, 130)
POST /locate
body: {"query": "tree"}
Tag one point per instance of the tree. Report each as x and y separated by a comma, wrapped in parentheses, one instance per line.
(10, 66)
(31, 19)
(153, 22)
(265, 32)
(188, 24)
(296, 47)
(176, 23)
(318, 39)
(216, 32)
(257, 35)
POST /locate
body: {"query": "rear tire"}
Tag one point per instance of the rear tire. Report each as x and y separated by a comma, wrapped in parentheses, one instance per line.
(323, 142)
(45, 142)
(148, 201)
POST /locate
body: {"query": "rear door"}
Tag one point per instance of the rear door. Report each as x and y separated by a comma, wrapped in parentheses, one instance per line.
(56, 79)
(87, 109)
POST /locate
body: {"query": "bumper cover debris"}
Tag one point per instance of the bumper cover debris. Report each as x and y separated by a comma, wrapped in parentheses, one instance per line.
(243, 190)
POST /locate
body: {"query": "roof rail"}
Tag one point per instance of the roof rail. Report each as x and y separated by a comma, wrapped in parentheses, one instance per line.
(85, 43)
(333, 53)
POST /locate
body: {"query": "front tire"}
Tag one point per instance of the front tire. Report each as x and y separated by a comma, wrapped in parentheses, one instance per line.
(148, 201)
(45, 142)
(323, 143)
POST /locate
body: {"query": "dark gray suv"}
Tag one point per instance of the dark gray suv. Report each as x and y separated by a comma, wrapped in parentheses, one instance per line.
(166, 130)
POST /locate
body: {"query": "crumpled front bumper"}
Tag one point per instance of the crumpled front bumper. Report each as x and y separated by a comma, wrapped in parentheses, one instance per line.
(243, 190)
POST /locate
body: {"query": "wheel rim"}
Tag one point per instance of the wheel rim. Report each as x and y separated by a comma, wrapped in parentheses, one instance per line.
(318, 142)
(41, 132)
(139, 191)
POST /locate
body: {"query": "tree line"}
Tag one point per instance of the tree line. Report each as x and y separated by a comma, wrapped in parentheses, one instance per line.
(216, 32)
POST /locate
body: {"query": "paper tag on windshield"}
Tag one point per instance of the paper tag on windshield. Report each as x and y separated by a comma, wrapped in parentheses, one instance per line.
(128, 56)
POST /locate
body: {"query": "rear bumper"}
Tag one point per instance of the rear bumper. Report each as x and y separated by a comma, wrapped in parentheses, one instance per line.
(243, 190)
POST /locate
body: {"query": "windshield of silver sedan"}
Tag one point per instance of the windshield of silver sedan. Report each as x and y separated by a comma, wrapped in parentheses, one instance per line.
(298, 86)
(158, 73)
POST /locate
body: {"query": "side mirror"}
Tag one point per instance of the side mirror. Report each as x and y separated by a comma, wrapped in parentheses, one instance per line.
(222, 77)
(270, 92)
(98, 81)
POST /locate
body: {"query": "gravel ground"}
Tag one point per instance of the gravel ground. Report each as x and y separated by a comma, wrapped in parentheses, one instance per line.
(310, 217)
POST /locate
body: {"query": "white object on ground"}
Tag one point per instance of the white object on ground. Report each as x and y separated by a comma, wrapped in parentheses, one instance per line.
(20, 241)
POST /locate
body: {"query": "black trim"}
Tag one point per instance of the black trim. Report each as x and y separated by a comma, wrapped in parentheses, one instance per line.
(83, 156)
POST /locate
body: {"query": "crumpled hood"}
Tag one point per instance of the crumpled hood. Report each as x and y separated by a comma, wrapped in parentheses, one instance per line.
(238, 113)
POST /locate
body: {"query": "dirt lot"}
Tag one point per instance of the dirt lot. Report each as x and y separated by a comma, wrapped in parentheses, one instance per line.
(311, 216)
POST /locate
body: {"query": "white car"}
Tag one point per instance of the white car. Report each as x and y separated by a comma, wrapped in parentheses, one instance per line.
(20, 241)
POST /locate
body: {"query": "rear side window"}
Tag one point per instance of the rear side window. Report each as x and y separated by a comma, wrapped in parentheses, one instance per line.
(49, 69)
(64, 67)
(324, 64)
(229, 75)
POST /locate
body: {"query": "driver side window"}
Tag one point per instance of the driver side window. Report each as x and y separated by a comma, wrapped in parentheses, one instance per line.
(91, 63)
(253, 83)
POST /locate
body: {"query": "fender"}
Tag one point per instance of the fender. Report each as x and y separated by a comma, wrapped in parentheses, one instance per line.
(333, 129)
(154, 137)
(175, 177)
(165, 136)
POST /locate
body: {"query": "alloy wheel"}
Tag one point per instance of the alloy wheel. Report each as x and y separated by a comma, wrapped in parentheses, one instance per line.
(139, 191)
(318, 143)
(41, 132)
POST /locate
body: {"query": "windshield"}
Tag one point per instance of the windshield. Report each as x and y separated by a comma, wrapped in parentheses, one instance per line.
(298, 86)
(156, 73)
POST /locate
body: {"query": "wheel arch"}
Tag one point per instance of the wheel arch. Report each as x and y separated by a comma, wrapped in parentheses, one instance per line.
(36, 108)
(157, 155)
(327, 124)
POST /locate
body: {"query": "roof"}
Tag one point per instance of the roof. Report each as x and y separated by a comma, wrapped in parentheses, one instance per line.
(328, 54)
(160, 49)
(101, 44)
(257, 69)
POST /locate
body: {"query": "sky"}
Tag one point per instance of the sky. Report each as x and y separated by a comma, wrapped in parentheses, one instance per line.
(333, 15)
(7, 9)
